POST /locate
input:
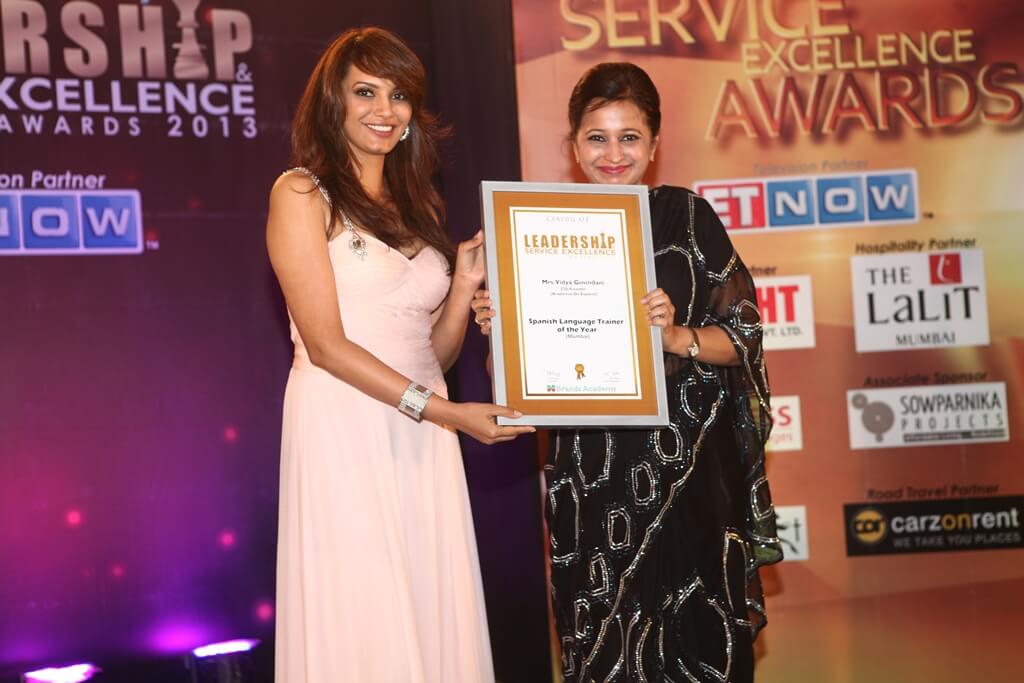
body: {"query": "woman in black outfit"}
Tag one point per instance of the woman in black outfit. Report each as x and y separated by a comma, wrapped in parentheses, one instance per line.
(657, 536)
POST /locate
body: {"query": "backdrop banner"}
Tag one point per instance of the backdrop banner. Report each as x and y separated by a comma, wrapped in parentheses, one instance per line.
(867, 158)
(143, 340)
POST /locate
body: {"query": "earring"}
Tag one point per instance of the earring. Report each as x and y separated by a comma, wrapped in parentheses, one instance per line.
(405, 134)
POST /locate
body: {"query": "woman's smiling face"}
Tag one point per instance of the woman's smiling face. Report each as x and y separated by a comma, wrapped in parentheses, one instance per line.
(376, 113)
(614, 144)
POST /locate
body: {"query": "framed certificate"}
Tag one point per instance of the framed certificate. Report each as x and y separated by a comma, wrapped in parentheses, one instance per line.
(567, 265)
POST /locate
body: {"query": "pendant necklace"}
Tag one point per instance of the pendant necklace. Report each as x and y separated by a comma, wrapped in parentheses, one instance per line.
(355, 241)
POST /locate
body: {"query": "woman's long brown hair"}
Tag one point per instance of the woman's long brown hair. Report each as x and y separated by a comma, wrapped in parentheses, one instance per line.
(319, 144)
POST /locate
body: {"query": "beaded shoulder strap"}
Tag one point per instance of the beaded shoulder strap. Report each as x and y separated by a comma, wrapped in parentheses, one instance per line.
(355, 242)
(312, 176)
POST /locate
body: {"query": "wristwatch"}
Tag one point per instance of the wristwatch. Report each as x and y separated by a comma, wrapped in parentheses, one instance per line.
(694, 348)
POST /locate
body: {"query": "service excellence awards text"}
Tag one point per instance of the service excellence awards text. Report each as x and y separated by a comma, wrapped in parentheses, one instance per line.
(573, 293)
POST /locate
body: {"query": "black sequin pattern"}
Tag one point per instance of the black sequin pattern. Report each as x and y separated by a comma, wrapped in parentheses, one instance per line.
(656, 536)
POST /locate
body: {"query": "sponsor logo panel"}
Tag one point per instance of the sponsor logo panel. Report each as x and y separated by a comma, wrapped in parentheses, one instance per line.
(10, 232)
(787, 428)
(841, 200)
(927, 415)
(933, 525)
(791, 203)
(812, 201)
(740, 204)
(75, 222)
(791, 521)
(787, 312)
(924, 300)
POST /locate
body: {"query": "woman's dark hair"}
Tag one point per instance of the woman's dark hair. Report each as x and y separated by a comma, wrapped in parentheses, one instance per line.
(319, 143)
(614, 82)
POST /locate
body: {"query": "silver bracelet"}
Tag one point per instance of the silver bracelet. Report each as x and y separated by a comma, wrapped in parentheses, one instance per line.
(414, 400)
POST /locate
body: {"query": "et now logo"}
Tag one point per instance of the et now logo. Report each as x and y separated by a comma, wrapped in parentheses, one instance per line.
(40, 222)
(798, 202)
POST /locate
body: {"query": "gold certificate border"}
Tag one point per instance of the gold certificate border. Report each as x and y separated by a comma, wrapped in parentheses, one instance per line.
(503, 201)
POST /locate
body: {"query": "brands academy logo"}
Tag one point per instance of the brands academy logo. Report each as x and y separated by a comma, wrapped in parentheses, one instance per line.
(787, 428)
(927, 415)
(787, 312)
(791, 522)
(74, 222)
(82, 68)
(819, 201)
(925, 300)
(934, 525)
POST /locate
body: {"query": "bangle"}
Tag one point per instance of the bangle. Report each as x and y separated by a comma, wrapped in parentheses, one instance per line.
(694, 348)
(414, 400)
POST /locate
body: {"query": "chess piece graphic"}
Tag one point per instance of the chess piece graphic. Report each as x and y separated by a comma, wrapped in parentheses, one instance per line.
(189, 63)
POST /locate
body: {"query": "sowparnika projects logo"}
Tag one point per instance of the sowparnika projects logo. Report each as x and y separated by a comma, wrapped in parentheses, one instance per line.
(927, 415)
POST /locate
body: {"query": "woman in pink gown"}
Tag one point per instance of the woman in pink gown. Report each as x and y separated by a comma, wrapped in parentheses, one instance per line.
(377, 576)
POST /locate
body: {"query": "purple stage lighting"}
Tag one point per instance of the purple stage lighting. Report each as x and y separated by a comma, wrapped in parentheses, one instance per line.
(76, 673)
(226, 648)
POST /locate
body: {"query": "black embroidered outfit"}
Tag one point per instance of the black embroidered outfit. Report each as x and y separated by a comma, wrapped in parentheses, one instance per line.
(657, 536)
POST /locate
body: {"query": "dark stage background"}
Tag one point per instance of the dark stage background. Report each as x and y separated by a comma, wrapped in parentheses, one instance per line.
(140, 392)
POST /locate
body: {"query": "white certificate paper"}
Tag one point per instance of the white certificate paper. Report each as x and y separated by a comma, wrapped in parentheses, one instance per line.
(567, 267)
(576, 319)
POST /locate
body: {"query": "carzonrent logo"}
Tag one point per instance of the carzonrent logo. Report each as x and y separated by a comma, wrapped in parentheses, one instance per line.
(869, 526)
(934, 525)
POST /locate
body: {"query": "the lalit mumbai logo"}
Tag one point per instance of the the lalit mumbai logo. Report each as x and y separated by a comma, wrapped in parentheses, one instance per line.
(920, 300)
(945, 269)
(197, 86)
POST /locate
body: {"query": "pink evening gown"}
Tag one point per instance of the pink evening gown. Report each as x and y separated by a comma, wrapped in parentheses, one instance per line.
(377, 573)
